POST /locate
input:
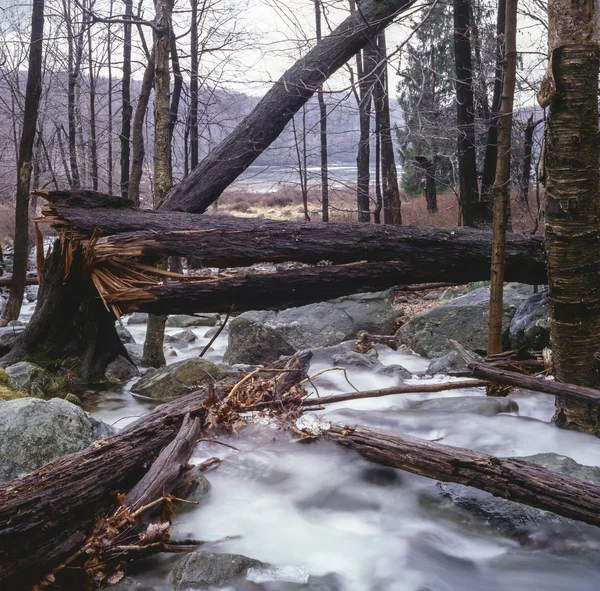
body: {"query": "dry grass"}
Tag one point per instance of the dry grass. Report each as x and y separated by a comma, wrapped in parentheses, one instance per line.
(286, 204)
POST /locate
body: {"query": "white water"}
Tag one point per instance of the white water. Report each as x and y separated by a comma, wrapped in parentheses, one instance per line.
(310, 509)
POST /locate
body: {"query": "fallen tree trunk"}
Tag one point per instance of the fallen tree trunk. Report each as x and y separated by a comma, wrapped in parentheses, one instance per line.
(434, 254)
(256, 132)
(6, 281)
(512, 378)
(274, 291)
(45, 516)
(511, 478)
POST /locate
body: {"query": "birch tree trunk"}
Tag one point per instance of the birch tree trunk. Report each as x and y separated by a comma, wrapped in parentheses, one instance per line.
(573, 201)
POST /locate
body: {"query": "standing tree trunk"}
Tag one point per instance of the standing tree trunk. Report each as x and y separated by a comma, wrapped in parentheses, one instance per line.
(323, 128)
(32, 100)
(110, 107)
(573, 202)
(525, 177)
(194, 87)
(389, 175)
(137, 135)
(93, 139)
(465, 113)
(491, 146)
(153, 345)
(502, 182)
(175, 97)
(71, 90)
(126, 109)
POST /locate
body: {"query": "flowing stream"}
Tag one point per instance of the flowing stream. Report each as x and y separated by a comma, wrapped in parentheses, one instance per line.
(314, 509)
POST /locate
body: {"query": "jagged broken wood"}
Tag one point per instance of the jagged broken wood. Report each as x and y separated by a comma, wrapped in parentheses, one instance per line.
(484, 371)
(46, 516)
(510, 478)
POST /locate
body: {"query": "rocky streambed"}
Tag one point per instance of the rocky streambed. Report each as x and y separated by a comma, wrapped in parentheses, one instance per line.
(318, 517)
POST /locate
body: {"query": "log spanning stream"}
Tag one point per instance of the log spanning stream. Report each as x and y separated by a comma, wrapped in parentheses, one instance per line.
(316, 509)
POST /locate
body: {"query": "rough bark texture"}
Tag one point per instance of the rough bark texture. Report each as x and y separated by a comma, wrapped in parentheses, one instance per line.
(226, 162)
(297, 287)
(511, 478)
(465, 112)
(573, 204)
(30, 114)
(44, 516)
(502, 181)
(70, 324)
(323, 129)
(126, 108)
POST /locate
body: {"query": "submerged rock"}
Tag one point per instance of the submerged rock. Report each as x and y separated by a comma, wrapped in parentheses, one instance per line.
(31, 293)
(530, 326)
(316, 325)
(8, 337)
(121, 370)
(127, 584)
(200, 571)
(182, 339)
(138, 318)
(450, 362)
(178, 379)
(185, 320)
(481, 405)
(193, 486)
(125, 336)
(34, 432)
(464, 319)
(30, 378)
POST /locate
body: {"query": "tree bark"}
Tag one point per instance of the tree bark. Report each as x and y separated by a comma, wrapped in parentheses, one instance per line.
(30, 115)
(226, 162)
(512, 478)
(322, 129)
(465, 113)
(491, 147)
(126, 108)
(502, 181)
(525, 178)
(573, 203)
(93, 139)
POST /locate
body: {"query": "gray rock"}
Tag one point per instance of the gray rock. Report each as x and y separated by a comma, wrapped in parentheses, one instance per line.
(182, 339)
(138, 318)
(211, 332)
(513, 517)
(31, 292)
(34, 432)
(178, 379)
(136, 352)
(464, 319)
(486, 406)
(396, 371)
(432, 296)
(127, 584)
(316, 325)
(30, 378)
(185, 320)
(8, 337)
(193, 486)
(2, 299)
(121, 370)
(73, 399)
(125, 336)
(530, 326)
(450, 362)
(254, 343)
(201, 570)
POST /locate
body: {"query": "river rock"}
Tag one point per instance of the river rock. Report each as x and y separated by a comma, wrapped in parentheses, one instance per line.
(464, 319)
(200, 571)
(486, 406)
(125, 336)
(120, 370)
(193, 486)
(182, 339)
(30, 378)
(178, 379)
(138, 318)
(31, 292)
(127, 584)
(512, 517)
(34, 432)
(185, 320)
(8, 337)
(530, 326)
(316, 325)
(136, 352)
(339, 498)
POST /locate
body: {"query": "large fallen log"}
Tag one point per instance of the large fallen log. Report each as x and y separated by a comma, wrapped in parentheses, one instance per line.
(256, 132)
(429, 254)
(511, 478)
(45, 516)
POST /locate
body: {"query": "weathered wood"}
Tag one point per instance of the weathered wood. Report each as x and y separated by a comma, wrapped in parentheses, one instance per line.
(511, 378)
(256, 132)
(274, 291)
(451, 255)
(44, 517)
(511, 478)
(6, 281)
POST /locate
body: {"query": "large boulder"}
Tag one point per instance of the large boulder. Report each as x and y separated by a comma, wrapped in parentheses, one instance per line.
(316, 325)
(34, 432)
(30, 378)
(8, 337)
(125, 336)
(530, 326)
(185, 320)
(178, 379)
(200, 571)
(464, 319)
(138, 318)
(120, 370)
